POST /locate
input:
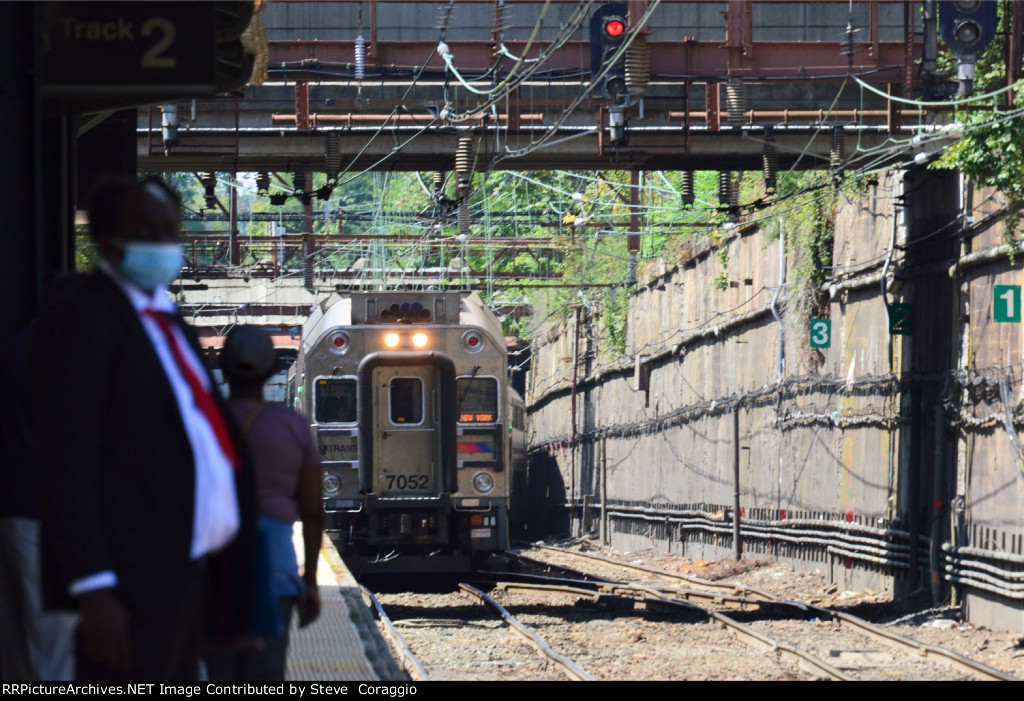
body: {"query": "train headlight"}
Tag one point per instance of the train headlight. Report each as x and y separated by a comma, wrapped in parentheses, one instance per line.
(419, 340)
(331, 484)
(391, 340)
(473, 341)
(339, 342)
(483, 482)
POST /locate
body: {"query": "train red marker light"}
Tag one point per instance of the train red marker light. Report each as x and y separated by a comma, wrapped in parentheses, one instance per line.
(473, 341)
(339, 343)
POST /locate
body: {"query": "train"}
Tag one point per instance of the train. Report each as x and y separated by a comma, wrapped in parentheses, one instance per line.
(421, 436)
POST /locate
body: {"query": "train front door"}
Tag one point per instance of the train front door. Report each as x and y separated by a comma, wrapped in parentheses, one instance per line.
(406, 439)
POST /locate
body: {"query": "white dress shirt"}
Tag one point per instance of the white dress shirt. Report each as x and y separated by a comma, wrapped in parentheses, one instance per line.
(215, 518)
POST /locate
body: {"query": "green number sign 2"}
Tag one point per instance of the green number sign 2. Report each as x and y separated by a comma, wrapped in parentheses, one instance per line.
(1006, 303)
(821, 333)
(901, 319)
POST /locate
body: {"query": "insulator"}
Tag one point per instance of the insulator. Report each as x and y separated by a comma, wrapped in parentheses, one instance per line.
(502, 17)
(299, 182)
(464, 218)
(837, 154)
(724, 188)
(209, 183)
(464, 161)
(769, 159)
(848, 46)
(444, 15)
(638, 65)
(332, 155)
(736, 100)
(169, 124)
(438, 180)
(686, 187)
(262, 183)
(360, 57)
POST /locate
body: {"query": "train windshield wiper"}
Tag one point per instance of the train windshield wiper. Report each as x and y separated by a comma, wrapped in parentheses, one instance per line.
(472, 378)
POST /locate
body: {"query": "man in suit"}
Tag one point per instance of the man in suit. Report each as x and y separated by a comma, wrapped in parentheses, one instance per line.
(147, 501)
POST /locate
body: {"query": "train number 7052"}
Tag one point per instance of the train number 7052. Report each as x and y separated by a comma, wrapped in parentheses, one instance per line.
(408, 481)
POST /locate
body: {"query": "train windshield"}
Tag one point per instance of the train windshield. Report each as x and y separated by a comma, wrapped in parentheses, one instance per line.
(406, 400)
(335, 400)
(478, 399)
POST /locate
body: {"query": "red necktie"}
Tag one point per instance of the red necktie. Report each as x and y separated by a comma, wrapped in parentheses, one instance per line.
(203, 399)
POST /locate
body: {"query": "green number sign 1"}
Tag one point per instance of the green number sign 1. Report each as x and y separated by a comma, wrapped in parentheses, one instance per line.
(821, 333)
(1006, 303)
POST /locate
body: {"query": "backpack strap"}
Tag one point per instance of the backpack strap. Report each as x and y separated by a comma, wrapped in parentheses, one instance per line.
(252, 416)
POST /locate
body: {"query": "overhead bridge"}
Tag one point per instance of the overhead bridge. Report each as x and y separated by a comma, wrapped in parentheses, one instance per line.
(396, 84)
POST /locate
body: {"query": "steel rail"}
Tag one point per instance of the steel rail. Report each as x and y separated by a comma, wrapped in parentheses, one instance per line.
(893, 640)
(404, 652)
(727, 600)
(745, 633)
(751, 636)
(733, 587)
(550, 588)
(568, 666)
(933, 652)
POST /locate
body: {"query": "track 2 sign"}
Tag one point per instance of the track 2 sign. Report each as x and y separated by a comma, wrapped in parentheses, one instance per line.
(107, 55)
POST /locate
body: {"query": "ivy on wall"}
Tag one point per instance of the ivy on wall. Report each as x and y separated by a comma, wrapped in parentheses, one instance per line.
(990, 150)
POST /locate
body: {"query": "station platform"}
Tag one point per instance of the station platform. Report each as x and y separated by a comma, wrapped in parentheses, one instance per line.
(344, 644)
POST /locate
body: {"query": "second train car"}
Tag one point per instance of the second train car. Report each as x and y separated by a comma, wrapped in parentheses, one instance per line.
(420, 434)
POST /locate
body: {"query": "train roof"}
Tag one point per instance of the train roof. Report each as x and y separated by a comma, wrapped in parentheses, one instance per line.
(459, 307)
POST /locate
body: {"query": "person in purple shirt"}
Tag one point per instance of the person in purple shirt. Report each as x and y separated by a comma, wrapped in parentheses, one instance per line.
(287, 463)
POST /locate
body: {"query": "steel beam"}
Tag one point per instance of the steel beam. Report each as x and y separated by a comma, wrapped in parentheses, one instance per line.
(684, 58)
(650, 148)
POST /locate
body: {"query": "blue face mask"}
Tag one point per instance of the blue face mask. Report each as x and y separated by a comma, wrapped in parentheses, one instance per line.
(151, 265)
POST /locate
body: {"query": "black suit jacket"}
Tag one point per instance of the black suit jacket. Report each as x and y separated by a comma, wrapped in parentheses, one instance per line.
(116, 467)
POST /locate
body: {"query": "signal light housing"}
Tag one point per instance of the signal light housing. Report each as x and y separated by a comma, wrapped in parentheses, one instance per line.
(608, 29)
(968, 26)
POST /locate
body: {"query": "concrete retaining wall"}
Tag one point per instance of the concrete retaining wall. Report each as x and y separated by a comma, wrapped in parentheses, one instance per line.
(874, 459)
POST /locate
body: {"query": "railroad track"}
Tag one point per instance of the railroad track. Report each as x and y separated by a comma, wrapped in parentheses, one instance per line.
(655, 600)
(784, 661)
(468, 632)
(593, 630)
(850, 641)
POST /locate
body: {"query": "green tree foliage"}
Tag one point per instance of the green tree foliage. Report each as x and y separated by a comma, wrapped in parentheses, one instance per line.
(990, 150)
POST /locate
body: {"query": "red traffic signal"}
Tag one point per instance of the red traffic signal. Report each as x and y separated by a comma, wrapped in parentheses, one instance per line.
(614, 27)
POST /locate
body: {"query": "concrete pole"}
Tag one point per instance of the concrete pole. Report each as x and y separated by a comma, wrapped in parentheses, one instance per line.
(233, 221)
(737, 545)
(604, 492)
(938, 504)
(572, 404)
(633, 238)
